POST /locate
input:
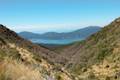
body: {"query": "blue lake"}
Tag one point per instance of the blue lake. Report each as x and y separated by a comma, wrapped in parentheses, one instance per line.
(48, 41)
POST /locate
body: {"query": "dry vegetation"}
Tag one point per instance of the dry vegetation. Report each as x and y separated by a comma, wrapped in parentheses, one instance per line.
(14, 70)
(96, 58)
(17, 63)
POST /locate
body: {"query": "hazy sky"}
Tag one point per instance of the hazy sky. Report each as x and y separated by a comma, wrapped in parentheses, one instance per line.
(57, 15)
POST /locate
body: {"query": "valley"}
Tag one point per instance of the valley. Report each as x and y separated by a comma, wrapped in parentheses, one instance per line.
(95, 58)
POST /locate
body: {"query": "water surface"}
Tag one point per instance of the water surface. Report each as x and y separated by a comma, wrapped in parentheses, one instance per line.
(49, 41)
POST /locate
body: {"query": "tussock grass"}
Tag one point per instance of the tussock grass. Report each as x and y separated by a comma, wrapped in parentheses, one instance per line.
(14, 70)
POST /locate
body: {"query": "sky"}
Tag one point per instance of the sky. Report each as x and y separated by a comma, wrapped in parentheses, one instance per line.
(57, 15)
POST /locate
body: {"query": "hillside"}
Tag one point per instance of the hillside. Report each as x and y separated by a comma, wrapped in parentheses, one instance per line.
(22, 60)
(97, 57)
(12, 37)
(77, 34)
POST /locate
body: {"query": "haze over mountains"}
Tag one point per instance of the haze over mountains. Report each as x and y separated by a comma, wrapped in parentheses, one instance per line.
(60, 38)
(95, 58)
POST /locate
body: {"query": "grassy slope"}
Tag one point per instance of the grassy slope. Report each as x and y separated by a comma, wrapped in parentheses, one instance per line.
(96, 58)
(99, 50)
(19, 59)
(38, 50)
(18, 63)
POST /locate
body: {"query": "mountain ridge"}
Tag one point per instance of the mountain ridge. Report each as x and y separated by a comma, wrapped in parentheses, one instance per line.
(96, 58)
(80, 33)
(21, 59)
(12, 37)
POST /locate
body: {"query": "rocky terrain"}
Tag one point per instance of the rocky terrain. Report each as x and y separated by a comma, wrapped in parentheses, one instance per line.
(96, 58)
(22, 60)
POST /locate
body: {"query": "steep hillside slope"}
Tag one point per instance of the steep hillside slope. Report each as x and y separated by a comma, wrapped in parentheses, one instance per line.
(12, 37)
(98, 56)
(23, 60)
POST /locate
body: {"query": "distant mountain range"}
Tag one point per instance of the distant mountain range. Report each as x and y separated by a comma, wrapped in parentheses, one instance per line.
(80, 33)
(60, 38)
(95, 58)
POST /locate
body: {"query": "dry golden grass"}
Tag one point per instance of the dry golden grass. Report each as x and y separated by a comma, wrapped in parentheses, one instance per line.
(28, 67)
(13, 70)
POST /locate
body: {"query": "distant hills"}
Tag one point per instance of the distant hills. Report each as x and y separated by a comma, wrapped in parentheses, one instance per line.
(95, 58)
(77, 34)
(60, 38)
